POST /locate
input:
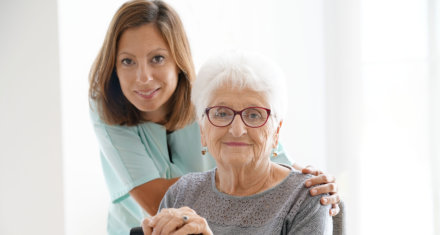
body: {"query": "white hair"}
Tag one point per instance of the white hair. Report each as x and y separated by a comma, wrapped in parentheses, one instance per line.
(240, 70)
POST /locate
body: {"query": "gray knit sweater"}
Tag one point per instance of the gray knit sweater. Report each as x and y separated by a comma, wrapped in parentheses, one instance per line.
(286, 208)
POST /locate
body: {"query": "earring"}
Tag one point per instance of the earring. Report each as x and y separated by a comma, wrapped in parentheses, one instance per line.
(204, 150)
(274, 153)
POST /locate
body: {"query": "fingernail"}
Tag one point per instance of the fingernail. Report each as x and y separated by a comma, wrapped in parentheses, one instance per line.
(313, 192)
(324, 200)
(308, 183)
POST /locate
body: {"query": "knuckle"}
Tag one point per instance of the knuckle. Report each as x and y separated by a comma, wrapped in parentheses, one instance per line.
(188, 210)
(324, 178)
(338, 198)
(332, 187)
(164, 211)
(335, 210)
(145, 222)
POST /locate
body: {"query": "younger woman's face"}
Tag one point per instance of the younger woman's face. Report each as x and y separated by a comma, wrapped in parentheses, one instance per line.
(146, 70)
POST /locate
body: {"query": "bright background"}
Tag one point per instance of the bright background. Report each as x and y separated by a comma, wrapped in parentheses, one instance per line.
(364, 103)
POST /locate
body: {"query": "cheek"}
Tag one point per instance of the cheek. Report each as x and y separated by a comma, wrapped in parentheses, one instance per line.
(263, 140)
(125, 79)
(169, 77)
(212, 137)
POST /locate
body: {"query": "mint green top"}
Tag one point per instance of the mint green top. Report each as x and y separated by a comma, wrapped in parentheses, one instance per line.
(134, 155)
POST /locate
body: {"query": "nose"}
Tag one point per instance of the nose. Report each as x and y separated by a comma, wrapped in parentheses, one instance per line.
(144, 73)
(237, 127)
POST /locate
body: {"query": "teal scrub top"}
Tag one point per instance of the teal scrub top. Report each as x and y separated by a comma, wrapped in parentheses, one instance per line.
(134, 155)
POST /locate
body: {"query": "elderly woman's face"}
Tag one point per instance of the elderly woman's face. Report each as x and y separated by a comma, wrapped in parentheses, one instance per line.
(238, 144)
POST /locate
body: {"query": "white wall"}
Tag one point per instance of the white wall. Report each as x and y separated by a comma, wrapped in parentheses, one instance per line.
(31, 197)
(344, 101)
(82, 26)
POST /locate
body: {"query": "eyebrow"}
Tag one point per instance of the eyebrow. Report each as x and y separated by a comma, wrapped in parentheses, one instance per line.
(251, 105)
(151, 52)
(121, 53)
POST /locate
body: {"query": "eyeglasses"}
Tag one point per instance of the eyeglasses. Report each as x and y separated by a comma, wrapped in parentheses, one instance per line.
(221, 116)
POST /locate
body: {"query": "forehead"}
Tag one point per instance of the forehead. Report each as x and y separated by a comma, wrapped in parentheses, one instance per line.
(144, 37)
(238, 98)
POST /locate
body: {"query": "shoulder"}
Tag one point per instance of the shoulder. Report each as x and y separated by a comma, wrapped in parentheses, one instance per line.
(296, 184)
(189, 130)
(306, 212)
(296, 180)
(297, 195)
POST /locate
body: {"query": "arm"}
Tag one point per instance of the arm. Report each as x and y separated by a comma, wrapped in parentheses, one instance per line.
(131, 164)
(149, 195)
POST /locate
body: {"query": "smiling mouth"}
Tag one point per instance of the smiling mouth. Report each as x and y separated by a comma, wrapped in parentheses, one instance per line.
(147, 94)
(236, 144)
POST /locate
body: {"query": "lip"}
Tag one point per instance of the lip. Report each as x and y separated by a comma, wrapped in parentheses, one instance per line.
(147, 94)
(236, 144)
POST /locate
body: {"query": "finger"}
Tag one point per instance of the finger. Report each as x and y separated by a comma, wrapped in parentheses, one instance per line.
(332, 199)
(158, 217)
(196, 226)
(334, 210)
(325, 188)
(145, 228)
(171, 226)
(170, 220)
(308, 169)
(161, 220)
(320, 179)
(311, 170)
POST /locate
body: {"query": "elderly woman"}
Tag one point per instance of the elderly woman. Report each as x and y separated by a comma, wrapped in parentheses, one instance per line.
(240, 101)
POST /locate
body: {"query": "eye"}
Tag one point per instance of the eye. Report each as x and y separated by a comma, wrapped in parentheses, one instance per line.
(253, 114)
(222, 113)
(158, 59)
(127, 61)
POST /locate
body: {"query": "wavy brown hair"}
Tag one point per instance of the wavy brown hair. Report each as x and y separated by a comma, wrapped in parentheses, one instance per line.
(105, 89)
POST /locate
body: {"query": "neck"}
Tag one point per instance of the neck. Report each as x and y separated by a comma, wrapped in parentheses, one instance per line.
(249, 180)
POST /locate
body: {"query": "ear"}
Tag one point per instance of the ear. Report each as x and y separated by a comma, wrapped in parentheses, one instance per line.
(277, 134)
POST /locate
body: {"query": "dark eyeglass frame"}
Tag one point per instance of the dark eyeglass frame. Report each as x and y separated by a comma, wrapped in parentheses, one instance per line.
(235, 114)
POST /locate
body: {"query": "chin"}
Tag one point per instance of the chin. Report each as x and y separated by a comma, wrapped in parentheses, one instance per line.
(147, 108)
(237, 161)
